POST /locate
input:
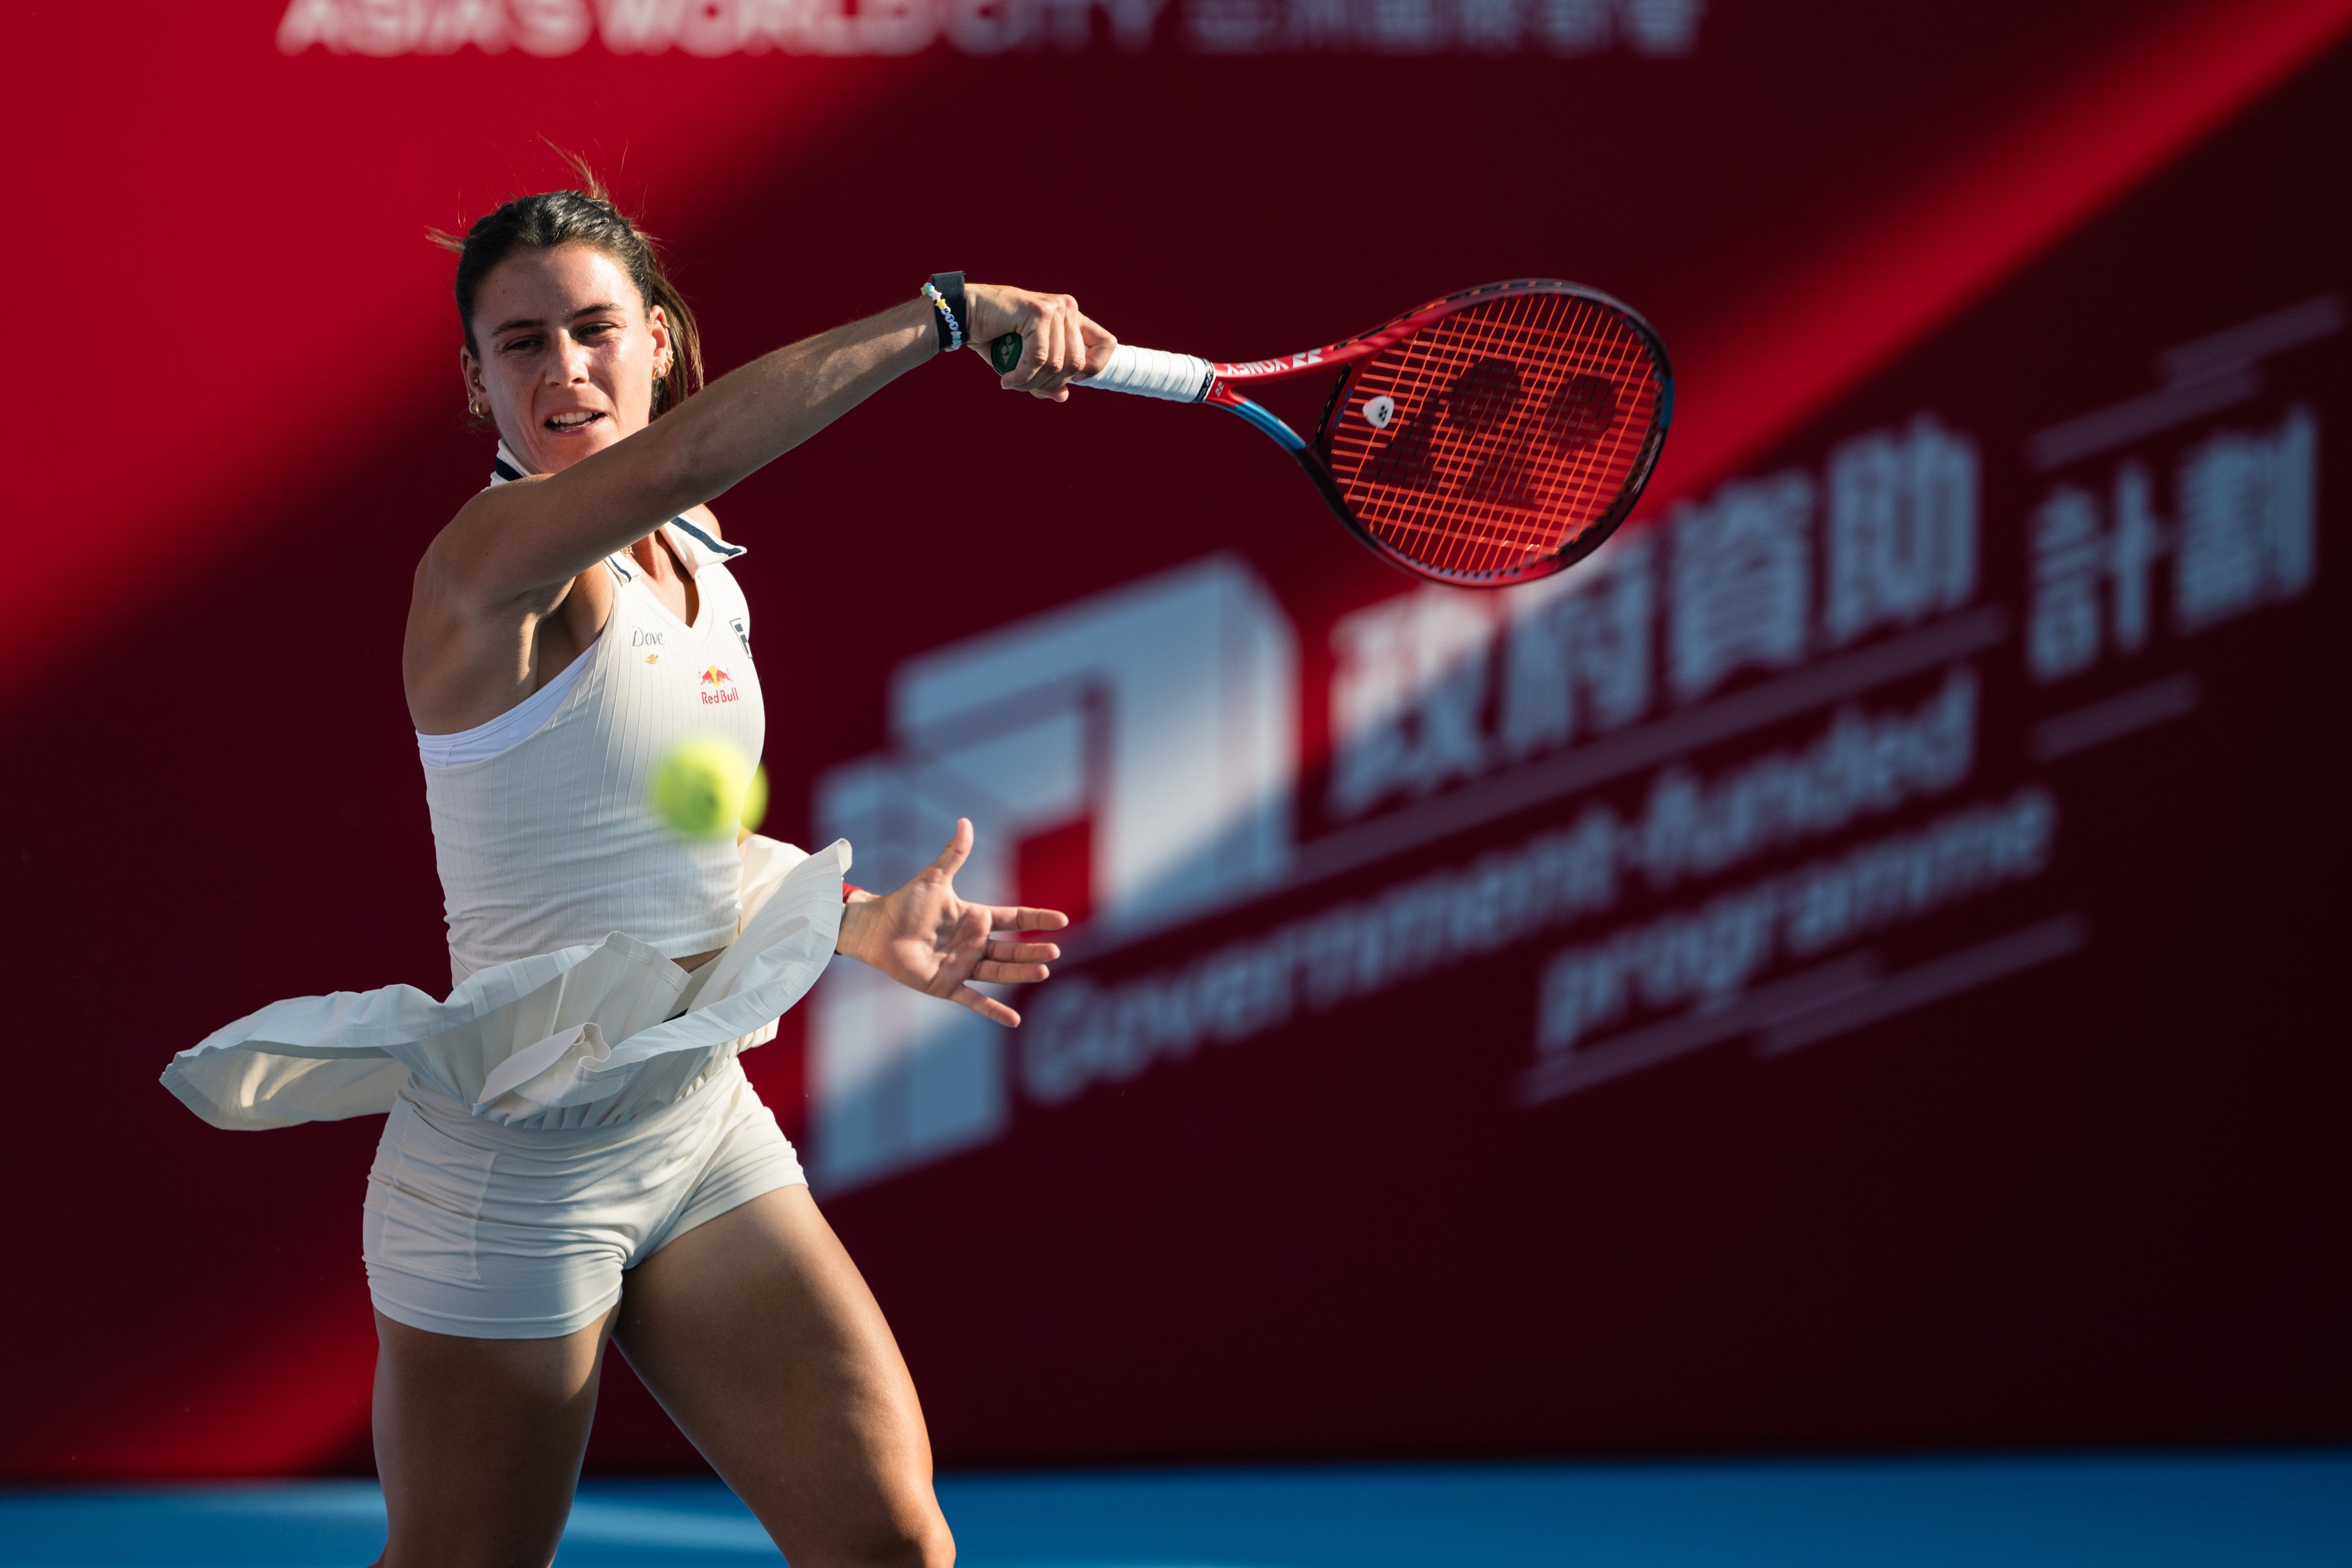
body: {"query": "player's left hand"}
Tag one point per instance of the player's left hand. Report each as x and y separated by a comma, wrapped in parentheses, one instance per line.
(925, 937)
(1059, 343)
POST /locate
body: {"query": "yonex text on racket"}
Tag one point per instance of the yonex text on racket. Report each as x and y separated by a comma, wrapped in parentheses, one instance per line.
(1489, 438)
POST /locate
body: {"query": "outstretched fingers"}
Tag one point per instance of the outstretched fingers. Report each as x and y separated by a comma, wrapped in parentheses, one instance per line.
(979, 948)
(959, 954)
(988, 1007)
(950, 860)
(1006, 917)
(1016, 963)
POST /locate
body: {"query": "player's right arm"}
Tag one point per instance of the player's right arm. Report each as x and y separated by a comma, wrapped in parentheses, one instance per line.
(508, 592)
(514, 541)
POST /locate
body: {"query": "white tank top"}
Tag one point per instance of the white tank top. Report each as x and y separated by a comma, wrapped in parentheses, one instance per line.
(540, 823)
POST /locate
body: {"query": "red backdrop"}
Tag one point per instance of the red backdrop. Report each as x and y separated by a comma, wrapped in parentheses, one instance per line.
(1849, 967)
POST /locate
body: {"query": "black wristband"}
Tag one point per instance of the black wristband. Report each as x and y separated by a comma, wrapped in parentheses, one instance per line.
(952, 334)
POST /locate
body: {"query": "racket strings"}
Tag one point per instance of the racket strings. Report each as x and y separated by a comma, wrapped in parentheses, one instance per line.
(1511, 427)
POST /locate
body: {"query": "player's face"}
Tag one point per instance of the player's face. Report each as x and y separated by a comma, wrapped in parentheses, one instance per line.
(569, 354)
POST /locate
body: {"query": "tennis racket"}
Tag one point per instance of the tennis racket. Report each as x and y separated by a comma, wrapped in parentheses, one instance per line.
(1489, 438)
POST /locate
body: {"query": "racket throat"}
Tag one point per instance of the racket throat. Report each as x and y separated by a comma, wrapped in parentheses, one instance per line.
(1265, 419)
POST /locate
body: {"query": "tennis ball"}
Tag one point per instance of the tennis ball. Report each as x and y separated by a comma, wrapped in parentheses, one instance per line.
(755, 800)
(705, 787)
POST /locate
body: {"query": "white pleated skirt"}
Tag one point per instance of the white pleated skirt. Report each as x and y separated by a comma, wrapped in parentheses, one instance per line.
(589, 1036)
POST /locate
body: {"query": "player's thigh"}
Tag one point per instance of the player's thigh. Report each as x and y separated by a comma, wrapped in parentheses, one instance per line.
(758, 1337)
(479, 1443)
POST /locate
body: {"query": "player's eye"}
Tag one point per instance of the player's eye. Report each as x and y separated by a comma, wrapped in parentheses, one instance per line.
(521, 345)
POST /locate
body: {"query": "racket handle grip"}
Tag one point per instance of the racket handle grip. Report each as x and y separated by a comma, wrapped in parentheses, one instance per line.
(1145, 373)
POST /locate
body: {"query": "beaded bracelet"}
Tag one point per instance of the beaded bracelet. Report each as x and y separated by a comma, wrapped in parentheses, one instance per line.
(951, 284)
(949, 322)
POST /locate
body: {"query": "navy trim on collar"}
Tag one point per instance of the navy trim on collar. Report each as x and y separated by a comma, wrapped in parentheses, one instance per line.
(719, 548)
(504, 469)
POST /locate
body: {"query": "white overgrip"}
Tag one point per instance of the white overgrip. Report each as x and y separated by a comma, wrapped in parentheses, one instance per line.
(1149, 373)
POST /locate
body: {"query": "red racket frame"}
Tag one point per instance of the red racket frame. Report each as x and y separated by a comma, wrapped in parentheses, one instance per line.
(1315, 456)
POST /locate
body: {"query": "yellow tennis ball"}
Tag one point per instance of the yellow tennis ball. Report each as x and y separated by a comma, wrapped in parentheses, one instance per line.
(755, 800)
(701, 786)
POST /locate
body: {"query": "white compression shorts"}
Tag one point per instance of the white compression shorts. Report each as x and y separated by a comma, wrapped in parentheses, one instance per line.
(488, 1231)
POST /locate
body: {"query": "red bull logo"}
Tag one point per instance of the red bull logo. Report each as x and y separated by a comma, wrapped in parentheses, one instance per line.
(720, 686)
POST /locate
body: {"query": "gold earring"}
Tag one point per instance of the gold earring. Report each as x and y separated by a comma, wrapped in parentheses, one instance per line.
(475, 408)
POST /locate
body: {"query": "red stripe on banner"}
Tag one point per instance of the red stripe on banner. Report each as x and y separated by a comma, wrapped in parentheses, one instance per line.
(298, 1409)
(1887, 283)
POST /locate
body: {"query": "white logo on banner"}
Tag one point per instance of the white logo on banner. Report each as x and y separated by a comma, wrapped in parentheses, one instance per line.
(1158, 719)
(713, 27)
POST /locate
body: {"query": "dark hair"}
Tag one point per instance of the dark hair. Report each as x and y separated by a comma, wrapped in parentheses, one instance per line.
(580, 217)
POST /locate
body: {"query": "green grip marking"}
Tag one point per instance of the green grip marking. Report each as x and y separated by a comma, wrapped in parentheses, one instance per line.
(1005, 352)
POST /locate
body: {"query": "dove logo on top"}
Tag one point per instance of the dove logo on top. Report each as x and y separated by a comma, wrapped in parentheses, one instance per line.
(1156, 723)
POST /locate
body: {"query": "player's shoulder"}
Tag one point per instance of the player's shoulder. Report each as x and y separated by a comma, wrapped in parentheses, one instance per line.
(461, 544)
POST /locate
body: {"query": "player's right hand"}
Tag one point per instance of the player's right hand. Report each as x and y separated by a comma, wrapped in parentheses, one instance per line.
(1059, 343)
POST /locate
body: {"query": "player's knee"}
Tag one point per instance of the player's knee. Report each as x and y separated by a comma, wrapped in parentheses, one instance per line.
(935, 1546)
(926, 1543)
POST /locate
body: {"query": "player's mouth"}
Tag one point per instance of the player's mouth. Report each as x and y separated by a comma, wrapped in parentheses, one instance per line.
(572, 422)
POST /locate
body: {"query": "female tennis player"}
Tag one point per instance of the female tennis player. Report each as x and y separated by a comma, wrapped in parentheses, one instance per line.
(573, 1153)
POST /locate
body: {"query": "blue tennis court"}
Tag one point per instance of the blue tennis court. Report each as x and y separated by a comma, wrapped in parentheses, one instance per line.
(2248, 1511)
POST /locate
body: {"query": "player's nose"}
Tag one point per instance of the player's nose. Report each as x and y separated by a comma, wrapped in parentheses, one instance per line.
(570, 362)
